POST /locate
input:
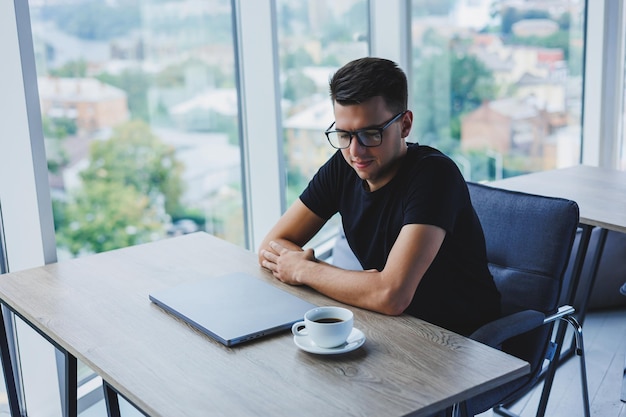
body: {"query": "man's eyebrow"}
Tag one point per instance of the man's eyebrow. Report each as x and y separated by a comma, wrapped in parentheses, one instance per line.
(378, 126)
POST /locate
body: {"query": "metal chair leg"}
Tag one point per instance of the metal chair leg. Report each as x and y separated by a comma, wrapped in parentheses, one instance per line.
(580, 351)
(502, 411)
(623, 395)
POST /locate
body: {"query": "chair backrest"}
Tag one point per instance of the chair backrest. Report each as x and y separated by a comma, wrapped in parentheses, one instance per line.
(529, 240)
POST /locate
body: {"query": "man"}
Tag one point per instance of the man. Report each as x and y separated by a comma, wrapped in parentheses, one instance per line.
(405, 210)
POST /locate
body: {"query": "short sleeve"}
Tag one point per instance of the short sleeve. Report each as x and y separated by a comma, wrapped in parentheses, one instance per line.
(322, 193)
(436, 194)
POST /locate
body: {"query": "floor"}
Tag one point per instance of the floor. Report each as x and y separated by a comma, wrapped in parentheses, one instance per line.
(605, 346)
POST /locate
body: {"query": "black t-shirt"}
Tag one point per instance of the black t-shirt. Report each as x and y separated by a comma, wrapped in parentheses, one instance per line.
(457, 291)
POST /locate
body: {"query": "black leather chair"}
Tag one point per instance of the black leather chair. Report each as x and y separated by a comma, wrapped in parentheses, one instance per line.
(529, 239)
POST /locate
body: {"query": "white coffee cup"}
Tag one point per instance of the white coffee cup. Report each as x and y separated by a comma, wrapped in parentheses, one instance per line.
(327, 327)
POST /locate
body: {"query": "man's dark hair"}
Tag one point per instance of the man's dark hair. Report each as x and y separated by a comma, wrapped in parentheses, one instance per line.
(365, 78)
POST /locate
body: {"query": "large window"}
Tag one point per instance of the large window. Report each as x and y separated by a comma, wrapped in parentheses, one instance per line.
(139, 109)
(140, 121)
(497, 85)
(315, 38)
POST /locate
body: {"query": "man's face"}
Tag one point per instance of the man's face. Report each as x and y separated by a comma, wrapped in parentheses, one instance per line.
(375, 165)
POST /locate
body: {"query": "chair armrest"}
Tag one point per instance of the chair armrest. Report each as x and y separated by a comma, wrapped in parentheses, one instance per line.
(496, 332)
(563, 311)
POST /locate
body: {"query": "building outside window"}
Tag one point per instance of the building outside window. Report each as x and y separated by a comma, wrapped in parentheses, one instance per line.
(497, 85)
(139, 108)
(315, 38)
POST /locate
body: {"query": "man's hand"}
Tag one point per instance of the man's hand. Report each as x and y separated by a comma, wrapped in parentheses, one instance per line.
(285, 263)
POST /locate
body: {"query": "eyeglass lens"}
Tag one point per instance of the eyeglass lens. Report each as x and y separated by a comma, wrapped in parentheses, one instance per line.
(368, 138)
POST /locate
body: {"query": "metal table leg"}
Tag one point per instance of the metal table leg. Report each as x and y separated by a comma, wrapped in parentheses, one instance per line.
(595, 265)
(593, 273)
(111, 399)
(7, 368)
(111, 396)
(68, 382)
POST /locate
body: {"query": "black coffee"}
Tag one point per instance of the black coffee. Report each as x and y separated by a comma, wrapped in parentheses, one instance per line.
(328, 320)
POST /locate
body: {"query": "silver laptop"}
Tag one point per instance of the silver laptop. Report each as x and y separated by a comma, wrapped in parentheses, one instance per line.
(232, 308)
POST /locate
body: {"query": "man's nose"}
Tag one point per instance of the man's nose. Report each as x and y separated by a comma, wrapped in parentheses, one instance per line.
(355, 146)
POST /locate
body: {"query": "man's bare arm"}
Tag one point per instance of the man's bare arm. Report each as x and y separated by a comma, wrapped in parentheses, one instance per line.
(389, 291)
(293, 230)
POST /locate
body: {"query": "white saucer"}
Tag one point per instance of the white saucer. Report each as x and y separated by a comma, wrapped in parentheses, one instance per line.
(354, 341)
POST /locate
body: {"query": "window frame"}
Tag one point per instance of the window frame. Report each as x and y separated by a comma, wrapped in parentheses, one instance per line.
(603, 108)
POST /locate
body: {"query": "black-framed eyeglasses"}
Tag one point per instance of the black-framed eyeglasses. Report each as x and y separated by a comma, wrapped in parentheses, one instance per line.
(369, 137)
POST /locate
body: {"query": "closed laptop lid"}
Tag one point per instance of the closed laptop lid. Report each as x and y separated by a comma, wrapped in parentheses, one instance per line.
(232, 308)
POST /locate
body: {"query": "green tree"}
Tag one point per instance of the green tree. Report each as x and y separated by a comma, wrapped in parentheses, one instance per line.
(58, 127)
(135, 157)
(297, 59)
(448, 86)
(227, 125)
(106, 216)
(72, 69)
(557, 40)
(95, 20)
(298, 86)
(55, 130)
(431, 108)
(471, 84)
(290, 15)
(565, 21)
(130, 188)
(432, 7)
(330, 61)
(136, 85)
(510, 15)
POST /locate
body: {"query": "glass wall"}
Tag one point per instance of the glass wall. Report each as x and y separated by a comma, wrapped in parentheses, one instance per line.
(497, 85)
(139, 109)
(140, 121)
(315, 38)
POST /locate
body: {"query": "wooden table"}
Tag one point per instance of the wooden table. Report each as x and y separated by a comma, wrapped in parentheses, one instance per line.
(97, 309)
(599, 192)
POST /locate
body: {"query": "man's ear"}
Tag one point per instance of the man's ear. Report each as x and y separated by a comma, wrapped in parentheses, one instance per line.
(407, 123)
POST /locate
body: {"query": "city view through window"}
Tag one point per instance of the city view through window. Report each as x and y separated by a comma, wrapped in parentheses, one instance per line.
(497, 85)
(140, 111)
(139, 108)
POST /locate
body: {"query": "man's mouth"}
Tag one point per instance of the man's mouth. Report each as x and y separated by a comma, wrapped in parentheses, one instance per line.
(361, 164)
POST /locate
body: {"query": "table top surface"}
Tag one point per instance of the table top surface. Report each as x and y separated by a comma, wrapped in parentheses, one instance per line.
(599, 192)
(97, 308)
